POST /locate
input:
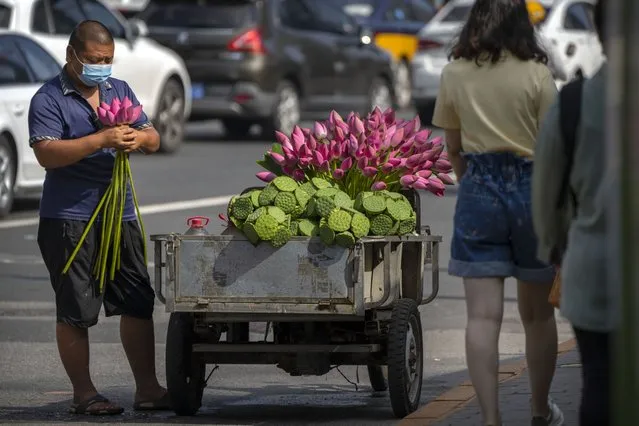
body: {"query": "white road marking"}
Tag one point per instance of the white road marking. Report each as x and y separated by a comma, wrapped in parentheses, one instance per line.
(144, 210)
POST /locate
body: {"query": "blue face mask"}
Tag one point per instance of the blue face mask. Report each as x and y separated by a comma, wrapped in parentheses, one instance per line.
(93, 74)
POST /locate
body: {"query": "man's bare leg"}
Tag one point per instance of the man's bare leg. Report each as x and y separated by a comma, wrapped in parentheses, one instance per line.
(73, 345)
(138, 339)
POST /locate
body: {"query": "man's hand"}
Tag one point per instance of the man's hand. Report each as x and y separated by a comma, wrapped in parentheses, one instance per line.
(118, 137)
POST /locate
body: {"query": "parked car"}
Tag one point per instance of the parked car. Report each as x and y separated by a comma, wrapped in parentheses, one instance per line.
(24, 66)
(156, 74)
(128, 8)
(271, 62)
(569, 27)
(395, 24)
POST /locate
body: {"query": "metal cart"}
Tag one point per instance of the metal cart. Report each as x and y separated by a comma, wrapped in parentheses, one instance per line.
(323, 307)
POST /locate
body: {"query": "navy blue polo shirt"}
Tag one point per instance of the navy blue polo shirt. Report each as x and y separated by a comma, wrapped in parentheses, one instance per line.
(59, 112)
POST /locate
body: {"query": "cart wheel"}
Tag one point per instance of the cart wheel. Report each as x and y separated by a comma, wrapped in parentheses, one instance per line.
(405, 357)
(377, 377)
(184, 377)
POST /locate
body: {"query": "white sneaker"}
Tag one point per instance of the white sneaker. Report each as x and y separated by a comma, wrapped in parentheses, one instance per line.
(555, 418)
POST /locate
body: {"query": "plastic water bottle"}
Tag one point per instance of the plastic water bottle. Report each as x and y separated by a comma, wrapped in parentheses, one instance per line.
(197, 225)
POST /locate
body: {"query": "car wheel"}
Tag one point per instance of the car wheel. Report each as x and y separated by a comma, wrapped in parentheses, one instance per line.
(237, 128)
(286, 110)
(380, 95)
(7, 176)
(169, 120)
(403, 89)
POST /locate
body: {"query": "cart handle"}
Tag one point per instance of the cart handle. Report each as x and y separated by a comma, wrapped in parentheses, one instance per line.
(158, 266)
(434, 246)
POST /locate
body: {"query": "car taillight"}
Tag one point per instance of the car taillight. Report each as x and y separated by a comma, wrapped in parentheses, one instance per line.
(424, 44)
(249, 41)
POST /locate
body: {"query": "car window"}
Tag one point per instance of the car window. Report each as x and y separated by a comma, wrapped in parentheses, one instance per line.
(295, 14)
(423, 11)
(5, 16)
(43, 66)
(13, 68)
(329, 18)
(457, 14)
(201, 14)
(398, 11)
(579, 16)
(98, 12)
(356, 8)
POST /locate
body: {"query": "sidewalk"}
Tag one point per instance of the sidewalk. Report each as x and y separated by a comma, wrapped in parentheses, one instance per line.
(459, 407)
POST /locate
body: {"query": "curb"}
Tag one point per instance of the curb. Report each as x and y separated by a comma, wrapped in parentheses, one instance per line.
(456, 398)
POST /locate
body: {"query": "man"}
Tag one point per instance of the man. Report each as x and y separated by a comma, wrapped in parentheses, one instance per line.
(585, 297)
(79, 155)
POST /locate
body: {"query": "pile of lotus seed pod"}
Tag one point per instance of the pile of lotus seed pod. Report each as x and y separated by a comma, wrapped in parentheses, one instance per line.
(287, 208)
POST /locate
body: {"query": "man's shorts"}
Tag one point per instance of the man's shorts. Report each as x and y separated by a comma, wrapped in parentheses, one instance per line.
(77, 294)
(493, 232)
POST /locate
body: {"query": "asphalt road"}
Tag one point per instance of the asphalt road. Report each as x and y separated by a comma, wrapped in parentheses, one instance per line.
(196, 181)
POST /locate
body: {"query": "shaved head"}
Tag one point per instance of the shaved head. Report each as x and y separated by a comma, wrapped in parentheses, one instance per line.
(90, 31)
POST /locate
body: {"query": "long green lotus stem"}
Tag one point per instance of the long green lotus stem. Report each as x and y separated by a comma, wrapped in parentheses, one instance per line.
(137, 211)
(86, 231)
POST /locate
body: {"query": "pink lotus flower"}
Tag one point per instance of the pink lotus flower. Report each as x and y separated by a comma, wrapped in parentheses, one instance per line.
(266, 176)
(298, 175)
(387, 167)
(446, 179)
(369, 171)
(407, 180)
(278, 158)
(319, 130)
(424, 174)
(119, 112)
(379, 186)
(298, 139)
(420, 183)
(318, 158)
(338, 174)
(346, 164)
(362, 163)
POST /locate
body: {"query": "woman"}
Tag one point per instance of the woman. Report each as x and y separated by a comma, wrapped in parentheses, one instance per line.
(493, 96)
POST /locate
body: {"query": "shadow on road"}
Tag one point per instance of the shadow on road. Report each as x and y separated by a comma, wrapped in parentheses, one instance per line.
(266, 405)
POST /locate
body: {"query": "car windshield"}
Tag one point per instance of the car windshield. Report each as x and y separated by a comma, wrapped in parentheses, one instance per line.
(200, 14)
(5, 16)
(458, 14)
(356, 8)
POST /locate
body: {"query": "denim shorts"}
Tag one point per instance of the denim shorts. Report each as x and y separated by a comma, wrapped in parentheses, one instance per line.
(493, 232)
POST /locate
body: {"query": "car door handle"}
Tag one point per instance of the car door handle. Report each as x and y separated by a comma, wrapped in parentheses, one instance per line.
(18, 110)
(570, 50)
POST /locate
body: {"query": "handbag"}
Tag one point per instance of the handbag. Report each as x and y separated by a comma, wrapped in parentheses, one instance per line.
(555, 291)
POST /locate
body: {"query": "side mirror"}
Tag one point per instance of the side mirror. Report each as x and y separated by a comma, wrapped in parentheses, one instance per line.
(365, 36)
(138, 28)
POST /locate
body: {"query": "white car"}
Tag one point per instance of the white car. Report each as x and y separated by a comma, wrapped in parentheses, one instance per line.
(569, 27)
(156, 74)
(24, 66)
(128, 8)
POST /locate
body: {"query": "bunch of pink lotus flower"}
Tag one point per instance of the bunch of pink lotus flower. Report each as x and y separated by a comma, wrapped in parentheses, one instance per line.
(376, 153)
(119, 112)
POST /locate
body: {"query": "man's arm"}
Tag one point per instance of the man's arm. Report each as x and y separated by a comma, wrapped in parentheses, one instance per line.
(550, 162)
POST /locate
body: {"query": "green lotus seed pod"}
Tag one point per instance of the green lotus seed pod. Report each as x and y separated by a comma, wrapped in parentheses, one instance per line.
(326, 192)
(360, 225)
(236, 222)
(308, 228)
(255, 198)
(310, 208)
(360, 199)
(393, 230)
(285, 201)
(398, 210)
(320, 183)
(407, 226)
(294, 226)
(374, 204)
(345, 239)
(327, 235)
(277, 213)
(381, 224)
(339, 220)
(281, 237)
(285, 183)
(308, 188)
(268, 194)
(297, 211)
(242, 207)
(256, 213)
(302, 196)
(266, 226)
(251, 233)
(394, 195)
(341, 199)
(324, 206)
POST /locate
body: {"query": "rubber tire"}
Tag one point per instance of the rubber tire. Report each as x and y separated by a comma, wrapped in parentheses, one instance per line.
(273, 123)
(403, 63)
(8, 205)
(237, 128)
(185, 381)
(379, 81)
(404, 312)
(377, 378)
(170, 145)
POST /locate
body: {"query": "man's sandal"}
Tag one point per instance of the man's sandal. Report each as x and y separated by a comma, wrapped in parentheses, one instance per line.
(161, 404)
(84, 407)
